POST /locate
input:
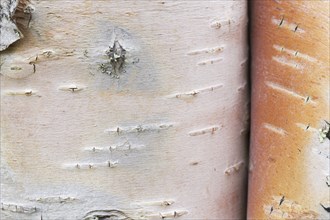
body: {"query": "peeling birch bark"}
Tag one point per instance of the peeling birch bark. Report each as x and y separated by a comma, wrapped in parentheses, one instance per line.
(290, 148)
(91, 128)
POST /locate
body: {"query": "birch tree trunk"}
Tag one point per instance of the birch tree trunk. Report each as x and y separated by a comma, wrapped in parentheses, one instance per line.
(290, 150)
(126, 109)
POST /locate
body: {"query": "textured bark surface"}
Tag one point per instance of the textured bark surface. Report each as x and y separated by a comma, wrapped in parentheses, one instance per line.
(13, 13)
(126, 109)
(289, 167)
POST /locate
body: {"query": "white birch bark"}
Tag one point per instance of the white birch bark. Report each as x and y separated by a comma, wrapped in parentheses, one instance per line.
(126, 109)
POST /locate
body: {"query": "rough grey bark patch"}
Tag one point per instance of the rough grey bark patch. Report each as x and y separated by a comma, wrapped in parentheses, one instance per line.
(106, 214)
(116, 54)
(10, 11)
(8, 29)
(324, 132)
